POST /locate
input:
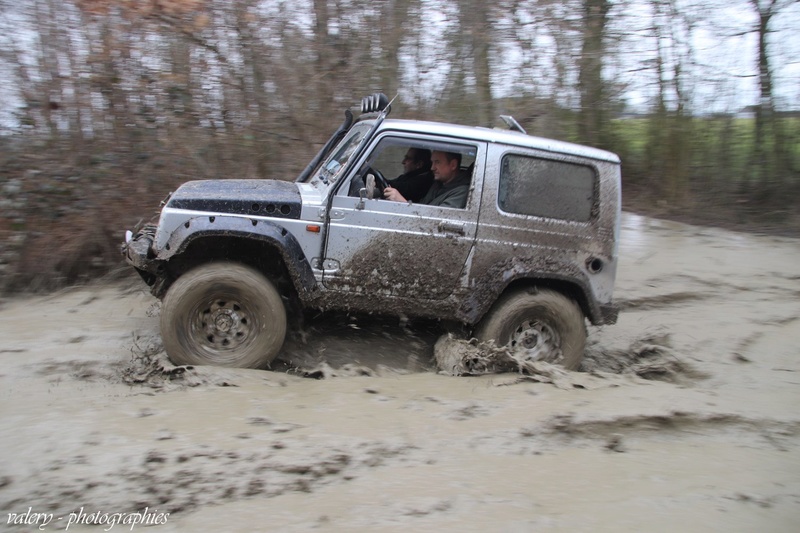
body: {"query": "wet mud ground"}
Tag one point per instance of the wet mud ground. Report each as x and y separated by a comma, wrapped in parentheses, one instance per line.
(684, 415)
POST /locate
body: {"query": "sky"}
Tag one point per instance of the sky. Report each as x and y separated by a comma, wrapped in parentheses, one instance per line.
(724, 63)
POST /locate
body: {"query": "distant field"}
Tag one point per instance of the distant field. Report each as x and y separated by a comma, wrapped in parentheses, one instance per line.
(721, 148)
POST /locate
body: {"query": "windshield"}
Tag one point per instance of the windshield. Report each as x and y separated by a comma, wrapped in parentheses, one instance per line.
(331, 169)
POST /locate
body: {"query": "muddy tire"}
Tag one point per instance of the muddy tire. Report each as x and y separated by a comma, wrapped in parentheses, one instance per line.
(545, 323)
(223, 314)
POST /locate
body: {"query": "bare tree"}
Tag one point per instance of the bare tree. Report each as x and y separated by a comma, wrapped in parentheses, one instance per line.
(771, 162)
(594, 103)
(465, 61)
(670, 128)
(477, 24)
(394, 23)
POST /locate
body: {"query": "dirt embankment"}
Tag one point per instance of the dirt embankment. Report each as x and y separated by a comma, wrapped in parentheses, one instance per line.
(683, 416)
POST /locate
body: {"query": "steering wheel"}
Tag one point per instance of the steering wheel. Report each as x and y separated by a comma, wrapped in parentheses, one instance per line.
(380, 180)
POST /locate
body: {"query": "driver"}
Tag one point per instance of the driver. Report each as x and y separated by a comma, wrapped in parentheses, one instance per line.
(417, 176)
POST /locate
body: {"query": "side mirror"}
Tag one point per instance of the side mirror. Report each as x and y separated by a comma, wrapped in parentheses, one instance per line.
(370, 186)
(366, 192)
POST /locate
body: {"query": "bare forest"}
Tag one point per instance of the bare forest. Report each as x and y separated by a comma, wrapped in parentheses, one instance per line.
(107, 106)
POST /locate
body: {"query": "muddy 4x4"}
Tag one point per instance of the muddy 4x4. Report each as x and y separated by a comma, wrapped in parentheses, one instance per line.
(528, 259)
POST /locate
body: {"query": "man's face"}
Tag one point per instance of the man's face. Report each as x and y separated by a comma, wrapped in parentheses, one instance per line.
(443, 170)
(409, 162)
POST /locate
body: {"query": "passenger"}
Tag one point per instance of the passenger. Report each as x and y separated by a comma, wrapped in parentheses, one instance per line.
(417, 177)
(450, 187)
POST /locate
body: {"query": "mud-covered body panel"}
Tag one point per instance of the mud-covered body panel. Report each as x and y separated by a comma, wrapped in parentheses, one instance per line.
(400, 249)
(579, 256)
(494, 273)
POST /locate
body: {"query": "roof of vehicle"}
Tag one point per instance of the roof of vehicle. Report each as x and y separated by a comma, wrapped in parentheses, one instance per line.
(509, 137)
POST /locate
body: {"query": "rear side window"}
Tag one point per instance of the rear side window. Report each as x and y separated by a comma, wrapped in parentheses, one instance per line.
(546, 188)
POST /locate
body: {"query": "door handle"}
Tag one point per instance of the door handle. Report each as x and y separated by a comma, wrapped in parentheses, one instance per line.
(451, 227)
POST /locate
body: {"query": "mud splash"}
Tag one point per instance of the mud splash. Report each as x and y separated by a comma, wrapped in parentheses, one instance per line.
(649, 357)
(335, 344)
(344, 346)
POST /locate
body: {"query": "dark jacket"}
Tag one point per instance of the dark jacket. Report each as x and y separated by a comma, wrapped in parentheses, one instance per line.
(413, 185)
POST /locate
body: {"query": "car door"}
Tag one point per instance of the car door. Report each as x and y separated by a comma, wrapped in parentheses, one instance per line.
(386, 248)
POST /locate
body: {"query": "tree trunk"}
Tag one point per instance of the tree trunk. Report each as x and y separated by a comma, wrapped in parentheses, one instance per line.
(771, 165)
(322, 44)
(592, 122)
(393, 14)
(483, 81)
(763, 110)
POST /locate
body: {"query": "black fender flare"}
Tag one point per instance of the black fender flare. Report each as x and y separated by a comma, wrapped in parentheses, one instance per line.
(249, 228)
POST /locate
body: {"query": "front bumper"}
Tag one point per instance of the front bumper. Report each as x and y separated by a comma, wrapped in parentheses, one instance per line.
(138, 252)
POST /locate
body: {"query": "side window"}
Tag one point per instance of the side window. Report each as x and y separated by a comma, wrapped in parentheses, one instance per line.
(546, 188)
(406, 165)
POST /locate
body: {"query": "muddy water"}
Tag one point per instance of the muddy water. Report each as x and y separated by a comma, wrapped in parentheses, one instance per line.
(684, 417)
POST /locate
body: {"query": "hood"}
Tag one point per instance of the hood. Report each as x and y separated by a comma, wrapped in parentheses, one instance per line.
(269, 198)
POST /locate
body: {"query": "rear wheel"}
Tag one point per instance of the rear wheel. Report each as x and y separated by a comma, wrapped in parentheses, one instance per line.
(223, 314)
(542, 324)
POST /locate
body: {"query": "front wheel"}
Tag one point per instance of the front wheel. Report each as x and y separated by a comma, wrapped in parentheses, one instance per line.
(223, 314)
(542, 324)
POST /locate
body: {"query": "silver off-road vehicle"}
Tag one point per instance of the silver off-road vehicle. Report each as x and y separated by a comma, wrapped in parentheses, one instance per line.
(529, 258)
